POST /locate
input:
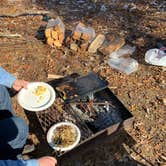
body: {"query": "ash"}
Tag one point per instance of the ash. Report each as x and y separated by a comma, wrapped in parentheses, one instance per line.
(97, 115)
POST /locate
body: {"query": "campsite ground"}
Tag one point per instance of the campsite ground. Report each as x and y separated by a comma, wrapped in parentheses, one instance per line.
(142, 24)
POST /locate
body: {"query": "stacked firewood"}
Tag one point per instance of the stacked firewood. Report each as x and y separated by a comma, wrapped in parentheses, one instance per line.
(55, 32)
(80, 38)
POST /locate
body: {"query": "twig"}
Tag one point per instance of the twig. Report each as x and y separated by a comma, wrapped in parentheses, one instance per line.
(8, 35)
(163, 157)
(54, 76)
(26, 13)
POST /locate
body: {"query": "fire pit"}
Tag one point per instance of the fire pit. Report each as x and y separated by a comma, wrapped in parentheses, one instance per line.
(87, 102)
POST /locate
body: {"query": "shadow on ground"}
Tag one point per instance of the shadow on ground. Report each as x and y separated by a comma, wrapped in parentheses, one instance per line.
(95, 152)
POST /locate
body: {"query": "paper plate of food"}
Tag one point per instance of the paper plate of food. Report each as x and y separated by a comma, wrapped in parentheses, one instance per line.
(37, 97)
(63, 136)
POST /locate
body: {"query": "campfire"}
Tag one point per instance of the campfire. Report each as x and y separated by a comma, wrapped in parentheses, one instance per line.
(90, 105)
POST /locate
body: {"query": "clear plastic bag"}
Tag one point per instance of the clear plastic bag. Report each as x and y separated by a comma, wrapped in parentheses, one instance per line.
(126, 65)
(123, 51)
(87, 31)
(55, 32)
(56, 23)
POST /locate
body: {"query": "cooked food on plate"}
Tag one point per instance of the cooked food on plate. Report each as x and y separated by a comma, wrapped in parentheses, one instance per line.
(64, 136)
(40, 90)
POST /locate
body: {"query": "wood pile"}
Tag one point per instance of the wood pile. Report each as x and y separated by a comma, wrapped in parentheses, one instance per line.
(80, 38)
(55, 33)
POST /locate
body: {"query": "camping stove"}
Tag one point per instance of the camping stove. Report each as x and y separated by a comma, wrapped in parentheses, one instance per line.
(87, 102)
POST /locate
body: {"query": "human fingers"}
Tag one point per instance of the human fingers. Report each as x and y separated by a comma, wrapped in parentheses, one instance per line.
(19, 84)
(47, 161)
(24, 84)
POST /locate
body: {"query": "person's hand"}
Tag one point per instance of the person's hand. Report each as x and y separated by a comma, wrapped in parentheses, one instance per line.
(19, 84)
(47, 161)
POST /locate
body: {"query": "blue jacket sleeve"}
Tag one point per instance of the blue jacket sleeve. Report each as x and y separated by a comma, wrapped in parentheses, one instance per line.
(6, 78)
(19, 163)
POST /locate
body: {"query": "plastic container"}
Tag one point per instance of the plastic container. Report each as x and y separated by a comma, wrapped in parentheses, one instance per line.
(156, 57)
(126, 65)
(123, 51)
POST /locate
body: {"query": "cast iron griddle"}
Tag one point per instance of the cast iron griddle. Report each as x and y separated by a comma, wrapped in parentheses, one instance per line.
(78, 87)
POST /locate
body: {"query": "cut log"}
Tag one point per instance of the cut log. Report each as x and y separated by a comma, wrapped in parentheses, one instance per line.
(50, 42)
(48, 32)
(55, 31)
(111, 46)
(58, 29)
(96, 43)
(80, 38)
(57, 43)
(73, 46)
(84, 46)
(86, 36)
(61, 37)
(54, 34)
(76, 35)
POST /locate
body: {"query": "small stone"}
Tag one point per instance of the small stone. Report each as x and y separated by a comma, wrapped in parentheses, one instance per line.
(96, 43)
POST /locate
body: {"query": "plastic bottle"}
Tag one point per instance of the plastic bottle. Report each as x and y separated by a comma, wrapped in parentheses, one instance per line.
(126, 65)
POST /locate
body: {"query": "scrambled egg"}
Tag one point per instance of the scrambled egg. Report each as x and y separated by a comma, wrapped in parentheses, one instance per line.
(40, 90)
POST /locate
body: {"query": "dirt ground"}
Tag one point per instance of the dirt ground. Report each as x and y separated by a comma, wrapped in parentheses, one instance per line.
(141, 23)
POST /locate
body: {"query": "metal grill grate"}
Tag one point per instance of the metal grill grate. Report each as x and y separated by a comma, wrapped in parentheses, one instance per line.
(53, 115)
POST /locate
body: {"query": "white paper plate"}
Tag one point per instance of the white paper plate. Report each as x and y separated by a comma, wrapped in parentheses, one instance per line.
(31, 102)
(32, 99)
(52, 130)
